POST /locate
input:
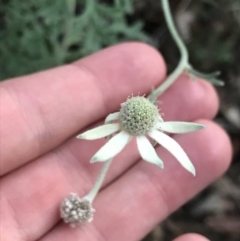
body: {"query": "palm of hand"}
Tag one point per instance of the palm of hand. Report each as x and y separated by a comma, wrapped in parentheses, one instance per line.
(42, 161)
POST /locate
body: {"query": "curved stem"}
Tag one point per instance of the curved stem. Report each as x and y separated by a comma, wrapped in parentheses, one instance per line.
(173, 30)
(169, 81)
(94, 191)
(182, 48)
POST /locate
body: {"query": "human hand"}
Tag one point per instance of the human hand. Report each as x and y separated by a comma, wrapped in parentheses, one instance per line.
(42, 161)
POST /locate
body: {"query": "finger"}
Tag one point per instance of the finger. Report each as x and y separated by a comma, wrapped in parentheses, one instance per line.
(131, 206)
(191, 237)
(67, 169)
(40, 111)
(198, 96)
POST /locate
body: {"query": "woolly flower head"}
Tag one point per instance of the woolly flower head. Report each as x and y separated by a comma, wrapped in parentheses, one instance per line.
(75, 210)
(139, 118)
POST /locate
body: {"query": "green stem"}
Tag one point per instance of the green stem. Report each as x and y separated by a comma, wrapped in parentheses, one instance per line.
(94, 191)
(182, 48)
(173, 30)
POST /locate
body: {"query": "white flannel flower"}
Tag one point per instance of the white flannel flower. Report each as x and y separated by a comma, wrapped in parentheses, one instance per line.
(139, 117)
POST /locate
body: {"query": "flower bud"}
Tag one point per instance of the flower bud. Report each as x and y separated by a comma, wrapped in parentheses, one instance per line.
(75, 210)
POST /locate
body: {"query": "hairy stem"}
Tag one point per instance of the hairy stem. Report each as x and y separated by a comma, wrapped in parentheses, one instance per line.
(182, 48)
(95, 189)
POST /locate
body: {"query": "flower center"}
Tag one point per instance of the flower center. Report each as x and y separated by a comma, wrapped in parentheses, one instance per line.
(138, 116)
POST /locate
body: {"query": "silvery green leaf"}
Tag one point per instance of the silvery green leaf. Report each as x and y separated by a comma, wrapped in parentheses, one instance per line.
(174, 148)
(216, 82)
(112, 147)
(147, 151)
(112, 117)
(179, 127)
(100, 132)
(212, 77)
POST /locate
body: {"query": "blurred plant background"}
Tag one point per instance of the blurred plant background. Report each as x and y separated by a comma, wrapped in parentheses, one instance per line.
(40, 34)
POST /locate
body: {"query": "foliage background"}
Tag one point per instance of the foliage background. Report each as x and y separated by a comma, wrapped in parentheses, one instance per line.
(40, 34)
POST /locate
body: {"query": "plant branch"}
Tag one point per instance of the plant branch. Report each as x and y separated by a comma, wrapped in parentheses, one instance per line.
(182, 48)
(94, 191)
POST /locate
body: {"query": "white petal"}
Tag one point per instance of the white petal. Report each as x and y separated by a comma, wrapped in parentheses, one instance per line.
(160, 118)
(99, 132)
(147, 151)
(112, 117)
(174, 148)
(179, 127)
(112, 147)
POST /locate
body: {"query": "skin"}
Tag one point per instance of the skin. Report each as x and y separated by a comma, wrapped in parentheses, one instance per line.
(42, 161)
